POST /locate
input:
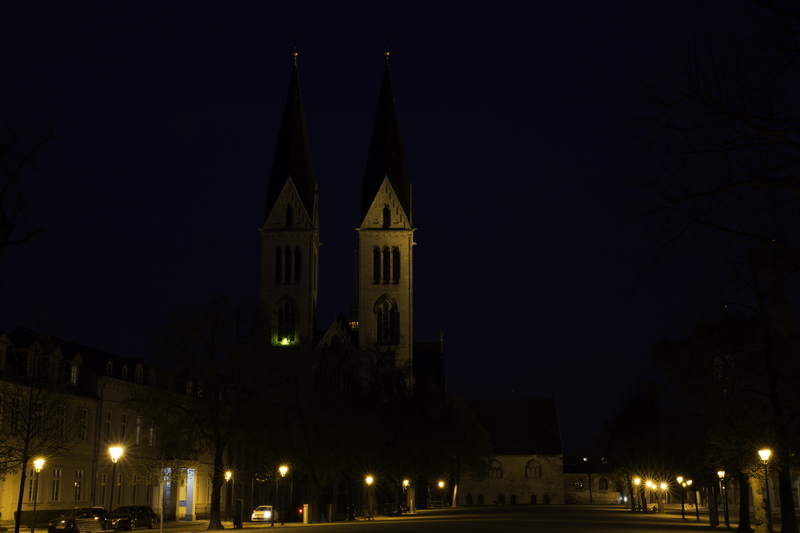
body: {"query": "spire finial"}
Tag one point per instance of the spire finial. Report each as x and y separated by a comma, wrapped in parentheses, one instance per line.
(294, 55)
(386, 53)
(388, 37)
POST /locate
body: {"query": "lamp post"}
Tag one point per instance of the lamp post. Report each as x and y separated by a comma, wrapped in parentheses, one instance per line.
(406, 484)
(441, 493)
(723, 490)
(679, 479)
(650, 486)
(37, 466)
(662, 497)
(636, 482)
(765, 454)
(369, 480)
(116, 453)
(282, 470)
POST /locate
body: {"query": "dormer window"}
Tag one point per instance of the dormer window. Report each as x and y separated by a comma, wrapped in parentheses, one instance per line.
(124, 372)
(109, 368)
(31, 367)
(151, 377)
(73, 374)
(139, 375)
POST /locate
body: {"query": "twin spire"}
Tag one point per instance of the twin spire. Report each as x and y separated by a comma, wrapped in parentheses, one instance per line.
(385, 158)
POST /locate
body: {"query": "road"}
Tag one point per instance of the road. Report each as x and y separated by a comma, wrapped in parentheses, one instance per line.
(506, 519)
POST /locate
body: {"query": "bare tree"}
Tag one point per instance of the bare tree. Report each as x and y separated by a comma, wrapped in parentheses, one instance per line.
(19, 153)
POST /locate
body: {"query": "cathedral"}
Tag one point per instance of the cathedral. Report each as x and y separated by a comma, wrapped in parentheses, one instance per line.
(381, 313)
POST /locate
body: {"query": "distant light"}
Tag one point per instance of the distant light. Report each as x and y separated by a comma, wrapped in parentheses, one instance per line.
(441, 484)
(765, 453)
(406, 483)
(680, 479)
(663, 486)
(369, 480)
(585, 459)
(283, 469)
(721, 474)
(228, 475)
(285, 342)
(116, 453)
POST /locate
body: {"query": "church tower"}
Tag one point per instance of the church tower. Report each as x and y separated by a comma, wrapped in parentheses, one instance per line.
(385, 239)
(290, 232)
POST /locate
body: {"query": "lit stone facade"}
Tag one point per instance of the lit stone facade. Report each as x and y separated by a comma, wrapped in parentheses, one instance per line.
(517, 479)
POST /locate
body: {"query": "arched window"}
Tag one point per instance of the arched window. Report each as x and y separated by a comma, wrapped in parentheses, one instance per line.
(533, 469)
(546, 499)
(151, 377)
(298, 264)
(278, 264)
(109, 368)
(480, 499)
(124, 372)
(395, 265)
(512, 499)
(288, 270)
(387, 265)
(579, 484)
(602, 484)
(289, 216)
(495, 470)
(139, 373)
(376, 265)
(533, 499)
(501, 499)
(287, 323)
(387, 217)
(387, 320)
(469, 499)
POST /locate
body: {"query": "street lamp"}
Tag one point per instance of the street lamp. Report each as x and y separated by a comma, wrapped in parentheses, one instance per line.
(765, 454)
(37, 465)
(721, 475)
(662, 497)
(679, 479)
(282, 470)
(116, 453)
(441, 493)
(637, 481)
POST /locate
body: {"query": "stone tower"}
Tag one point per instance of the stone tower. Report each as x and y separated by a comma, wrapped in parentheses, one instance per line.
(290, 233)
(385, 239)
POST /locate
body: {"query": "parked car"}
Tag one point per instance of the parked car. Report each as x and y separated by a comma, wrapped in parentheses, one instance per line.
(132, 516)
(262, 513)
(69, 520)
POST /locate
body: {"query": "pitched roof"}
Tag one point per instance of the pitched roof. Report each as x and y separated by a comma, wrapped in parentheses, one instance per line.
(386, 157)
(293, 153)
(519, 427)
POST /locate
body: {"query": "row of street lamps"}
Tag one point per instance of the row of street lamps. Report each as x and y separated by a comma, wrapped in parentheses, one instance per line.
(763, 454)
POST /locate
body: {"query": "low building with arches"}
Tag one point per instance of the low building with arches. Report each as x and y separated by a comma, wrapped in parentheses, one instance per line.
(528, 465)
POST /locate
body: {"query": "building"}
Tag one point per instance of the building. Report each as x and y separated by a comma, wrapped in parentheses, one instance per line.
(527, 466)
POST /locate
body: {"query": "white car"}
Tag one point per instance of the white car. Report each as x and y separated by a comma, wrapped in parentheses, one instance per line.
(262, 513)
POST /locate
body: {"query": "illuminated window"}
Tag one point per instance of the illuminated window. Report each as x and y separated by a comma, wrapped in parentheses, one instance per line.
(287, 323)
(78, 485)
(533, 469)
(73, 374)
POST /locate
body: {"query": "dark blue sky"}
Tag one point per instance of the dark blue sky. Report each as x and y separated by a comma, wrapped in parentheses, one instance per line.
(512, 115)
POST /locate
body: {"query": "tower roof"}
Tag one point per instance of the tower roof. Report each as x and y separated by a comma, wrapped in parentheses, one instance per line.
(386, 157)
(293, 153)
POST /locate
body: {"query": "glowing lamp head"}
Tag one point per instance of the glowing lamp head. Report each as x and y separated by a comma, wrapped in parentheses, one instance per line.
(721, 474)
(680, 479)
(637, 481)
(38, 464)
(406, 483)
(228, 475)
(283, 469)
(764, 454)
(116, 453)
(284, 342)
(663, 486)
(648, 483)
(441, 484)
(369, 480)
(688, 482)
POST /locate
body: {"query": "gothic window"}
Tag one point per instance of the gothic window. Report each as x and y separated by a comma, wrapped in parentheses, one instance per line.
(495, 470)
(109, 368)
(298, 264)
(287, 323)
(376, 265)
(278, 264)
(387, 265)
(124, 372)
(139, 373)
(387, 321)
(151, 377)
(395, 265)
(480, 499)
(602, 484)
(533, 469)
(387, 217)
(289, 216)
(288, 270)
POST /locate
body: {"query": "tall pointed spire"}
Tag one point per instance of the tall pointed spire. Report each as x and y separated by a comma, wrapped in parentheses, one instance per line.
(293, 152)
(386, 157)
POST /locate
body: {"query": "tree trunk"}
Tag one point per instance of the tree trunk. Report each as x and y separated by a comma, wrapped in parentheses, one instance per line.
(788, 516)
(22, 478)
(215, 517)
(759, 506)
(744, 504)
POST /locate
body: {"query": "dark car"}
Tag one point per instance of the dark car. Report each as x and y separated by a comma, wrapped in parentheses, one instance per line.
(81, 519)
(133, 516)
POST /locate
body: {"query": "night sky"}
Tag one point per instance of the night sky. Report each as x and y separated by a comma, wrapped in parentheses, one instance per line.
(513, 116)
